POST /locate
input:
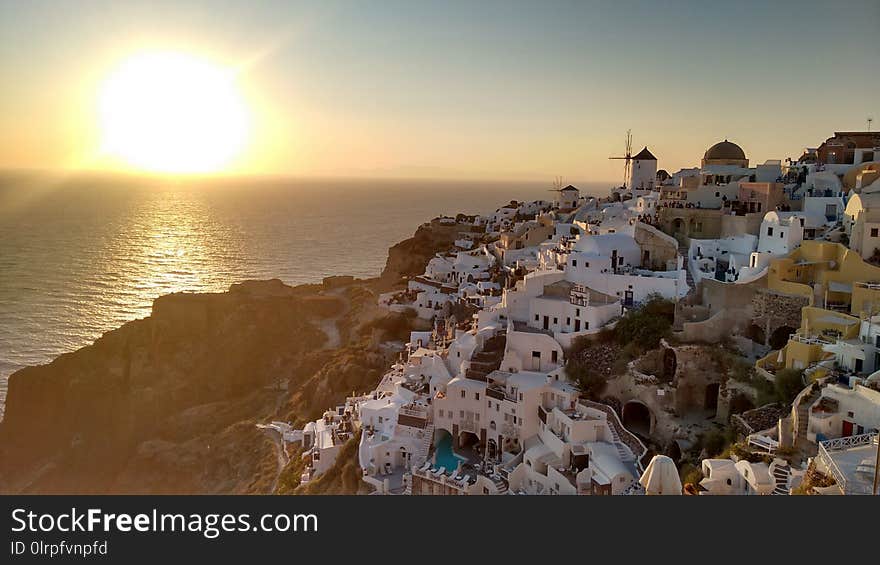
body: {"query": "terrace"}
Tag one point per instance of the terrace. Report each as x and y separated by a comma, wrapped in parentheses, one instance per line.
(851, 461)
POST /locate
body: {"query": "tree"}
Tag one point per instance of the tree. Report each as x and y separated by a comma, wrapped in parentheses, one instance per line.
(646, 325)
(789, 382)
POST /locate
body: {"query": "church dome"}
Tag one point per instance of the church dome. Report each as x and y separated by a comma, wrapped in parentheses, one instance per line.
(725, 150)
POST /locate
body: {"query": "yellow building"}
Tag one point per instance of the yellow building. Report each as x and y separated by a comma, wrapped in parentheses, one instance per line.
(841, 289)
(830, 276)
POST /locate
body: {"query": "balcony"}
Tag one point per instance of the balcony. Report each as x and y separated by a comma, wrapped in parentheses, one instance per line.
(468, 426)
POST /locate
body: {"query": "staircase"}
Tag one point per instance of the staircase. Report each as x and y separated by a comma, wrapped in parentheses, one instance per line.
(803, 415)
(782, 477)
(500, 484)
(488, 359)
(622, 452)
(424, 447)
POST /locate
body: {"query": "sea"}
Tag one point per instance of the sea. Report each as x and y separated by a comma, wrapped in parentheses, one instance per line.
(83, 254)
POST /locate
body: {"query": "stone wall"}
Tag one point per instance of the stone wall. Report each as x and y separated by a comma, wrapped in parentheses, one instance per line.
(772, 310)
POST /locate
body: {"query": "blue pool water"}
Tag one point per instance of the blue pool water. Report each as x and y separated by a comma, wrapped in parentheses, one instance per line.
(444, 457)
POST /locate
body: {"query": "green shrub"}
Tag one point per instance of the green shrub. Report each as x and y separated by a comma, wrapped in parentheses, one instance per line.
(716, 442)
(647, 325)
(789, 382)
(690, 473)
(591, 384)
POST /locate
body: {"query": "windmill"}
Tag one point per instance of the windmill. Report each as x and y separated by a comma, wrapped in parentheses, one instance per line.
(557, 185)
(627, 158)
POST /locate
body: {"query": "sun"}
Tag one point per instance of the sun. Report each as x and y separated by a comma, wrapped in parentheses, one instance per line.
(171, 112)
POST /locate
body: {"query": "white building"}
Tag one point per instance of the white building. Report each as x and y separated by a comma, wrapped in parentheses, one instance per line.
(643, 172)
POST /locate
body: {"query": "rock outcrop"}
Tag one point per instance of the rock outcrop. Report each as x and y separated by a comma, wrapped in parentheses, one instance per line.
(169, 403)
(163, 404)
(409, 257)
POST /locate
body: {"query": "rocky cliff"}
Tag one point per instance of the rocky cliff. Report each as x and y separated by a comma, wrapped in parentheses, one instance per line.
(168, 404)
(409, 257)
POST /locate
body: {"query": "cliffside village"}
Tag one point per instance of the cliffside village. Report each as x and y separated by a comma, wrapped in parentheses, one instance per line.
(777, 261)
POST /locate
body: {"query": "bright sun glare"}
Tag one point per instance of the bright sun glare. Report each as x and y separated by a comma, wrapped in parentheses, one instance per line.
(172, 113)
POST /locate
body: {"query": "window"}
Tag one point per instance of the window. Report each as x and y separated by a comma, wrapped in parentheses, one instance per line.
(568, 321)
(577, 312)
(587, 264)
(461, 413)
(850, 414)
(441, 413)
(555, 320)
(537, 317)
(574, 263)
(553, 356)
(462, 394)
(520, 399)
(476, 396)
(873, 232)
(769, 231)
(536, 354)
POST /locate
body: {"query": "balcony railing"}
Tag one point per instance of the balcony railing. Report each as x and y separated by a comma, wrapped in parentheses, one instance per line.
(841, 444)
(810, 339)
(468, 426)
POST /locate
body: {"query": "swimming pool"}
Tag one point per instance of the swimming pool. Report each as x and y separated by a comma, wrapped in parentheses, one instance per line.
(444, 456)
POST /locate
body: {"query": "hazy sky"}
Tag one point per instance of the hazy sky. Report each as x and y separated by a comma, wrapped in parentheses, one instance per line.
(461, 89)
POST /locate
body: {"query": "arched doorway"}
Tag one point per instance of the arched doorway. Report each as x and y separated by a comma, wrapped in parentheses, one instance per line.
(779, 337)
(637, 418)
(670, 364)
(491, 449)
(710, 401)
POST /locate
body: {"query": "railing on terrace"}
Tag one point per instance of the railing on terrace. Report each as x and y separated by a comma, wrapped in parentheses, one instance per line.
(415, 412)
(811, 339)
(841, 444)
(499, 393)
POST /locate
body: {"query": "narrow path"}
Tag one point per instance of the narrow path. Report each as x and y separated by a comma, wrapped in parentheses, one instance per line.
(281, 458)
(329, 326)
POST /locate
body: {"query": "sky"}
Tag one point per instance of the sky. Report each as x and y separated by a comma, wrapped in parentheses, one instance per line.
(489, 90)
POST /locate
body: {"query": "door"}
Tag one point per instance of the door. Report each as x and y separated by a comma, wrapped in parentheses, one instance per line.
(847, 429)
(628, 298)
(577, 325)
(546, 322)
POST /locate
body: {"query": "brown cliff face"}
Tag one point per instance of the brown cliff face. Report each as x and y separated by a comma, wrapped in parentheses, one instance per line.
(409, 257)
(168, 404)
(162, 404)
